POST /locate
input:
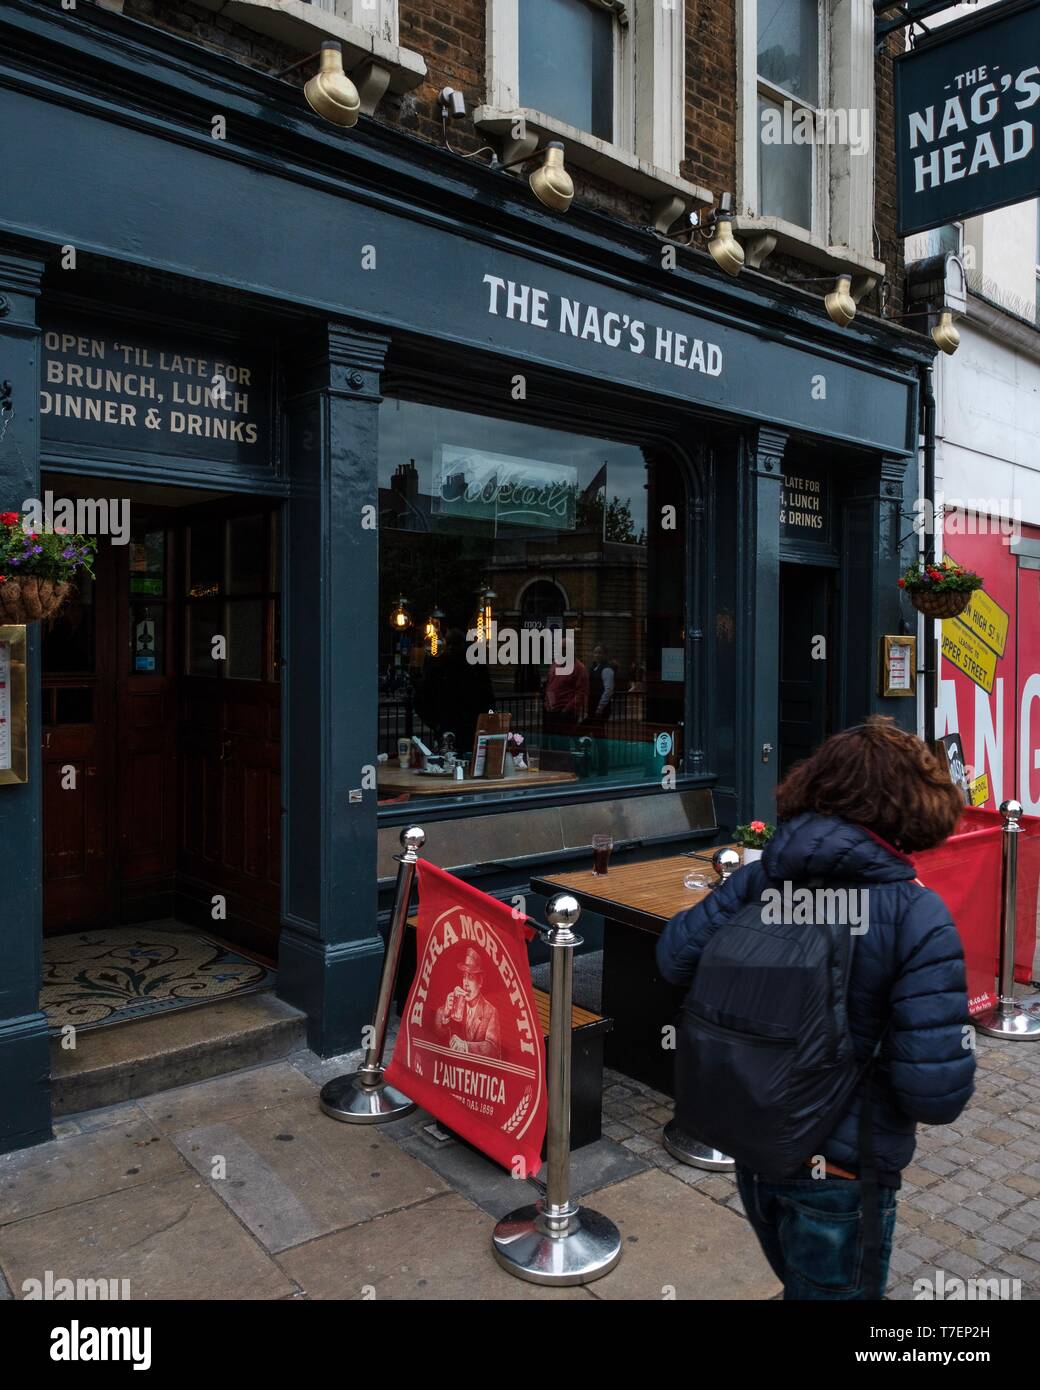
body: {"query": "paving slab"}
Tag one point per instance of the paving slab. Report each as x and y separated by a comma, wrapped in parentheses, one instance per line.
(438, 1250)
(78, 1167)
(679, 1244)
(291, 1173)
(491, 1187)
(223, 1097)
(170, 1240)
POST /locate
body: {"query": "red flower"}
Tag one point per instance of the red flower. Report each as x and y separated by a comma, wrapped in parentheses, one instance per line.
(9, 518)
(758, 826)
(902, 583)
(3, 578)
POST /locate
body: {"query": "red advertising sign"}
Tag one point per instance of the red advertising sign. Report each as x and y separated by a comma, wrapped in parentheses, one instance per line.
(470, 1049)
(989, 694)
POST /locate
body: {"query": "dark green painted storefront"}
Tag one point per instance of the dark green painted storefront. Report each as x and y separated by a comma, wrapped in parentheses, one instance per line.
(264, 242)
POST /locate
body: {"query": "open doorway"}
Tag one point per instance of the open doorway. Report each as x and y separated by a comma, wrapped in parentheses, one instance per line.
(806, 623)
(161, 722)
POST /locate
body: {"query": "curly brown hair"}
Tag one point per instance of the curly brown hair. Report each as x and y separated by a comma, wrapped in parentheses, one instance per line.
(878, 776)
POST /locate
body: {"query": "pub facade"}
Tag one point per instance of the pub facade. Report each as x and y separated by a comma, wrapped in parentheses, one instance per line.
(375, 443)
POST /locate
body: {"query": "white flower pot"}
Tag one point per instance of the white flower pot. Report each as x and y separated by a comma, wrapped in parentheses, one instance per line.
(750, 855)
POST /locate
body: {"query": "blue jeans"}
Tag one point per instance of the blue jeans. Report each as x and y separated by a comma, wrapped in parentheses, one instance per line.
(811, 1232)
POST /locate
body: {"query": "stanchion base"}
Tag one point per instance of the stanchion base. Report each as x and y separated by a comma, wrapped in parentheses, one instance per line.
(590, 1249)
(1019, 1026)
(691, 1151)
(347, 1099)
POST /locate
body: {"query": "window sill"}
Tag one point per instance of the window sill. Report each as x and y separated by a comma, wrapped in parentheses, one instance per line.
(373, 62)
(761, 236)
(670, 195)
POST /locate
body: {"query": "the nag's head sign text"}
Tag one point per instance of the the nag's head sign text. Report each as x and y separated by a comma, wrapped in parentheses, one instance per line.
(967, 116)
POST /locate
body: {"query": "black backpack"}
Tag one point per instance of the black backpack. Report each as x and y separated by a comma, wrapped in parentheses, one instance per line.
(765, 1065)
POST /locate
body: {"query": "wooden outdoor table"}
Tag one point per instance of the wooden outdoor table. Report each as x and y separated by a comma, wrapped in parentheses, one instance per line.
(636, 902)
(396, 780)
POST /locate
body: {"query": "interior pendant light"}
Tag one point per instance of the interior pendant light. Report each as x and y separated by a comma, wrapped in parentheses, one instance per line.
(726, 251)
(400, 618)
(330, 91)
(839, 303)
(432, 630)
(550, 182)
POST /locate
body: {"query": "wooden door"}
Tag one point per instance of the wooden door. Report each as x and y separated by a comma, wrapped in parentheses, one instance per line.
(77, 726)
(230, 725)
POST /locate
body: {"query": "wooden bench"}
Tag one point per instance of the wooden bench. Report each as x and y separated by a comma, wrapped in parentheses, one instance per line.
(588, 1031)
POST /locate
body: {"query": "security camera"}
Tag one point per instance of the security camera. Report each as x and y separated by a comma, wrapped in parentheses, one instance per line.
(453, 103)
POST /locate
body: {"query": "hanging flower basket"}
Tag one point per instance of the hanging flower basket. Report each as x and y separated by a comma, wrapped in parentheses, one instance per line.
(940, 604)
(37, 568)
(940, 590)
(30, 599)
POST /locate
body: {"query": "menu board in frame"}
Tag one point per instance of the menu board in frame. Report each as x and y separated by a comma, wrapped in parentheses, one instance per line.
(14, 743)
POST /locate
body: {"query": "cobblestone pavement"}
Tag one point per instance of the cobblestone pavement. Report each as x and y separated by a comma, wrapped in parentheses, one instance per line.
(970, 1201)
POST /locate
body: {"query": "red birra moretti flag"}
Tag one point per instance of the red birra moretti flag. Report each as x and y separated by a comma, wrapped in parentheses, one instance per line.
(470, 1049)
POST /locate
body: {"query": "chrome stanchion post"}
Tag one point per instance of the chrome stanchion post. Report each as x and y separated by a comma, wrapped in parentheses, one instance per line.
(363, 1097)
(556, 1241)
(1007, 1020)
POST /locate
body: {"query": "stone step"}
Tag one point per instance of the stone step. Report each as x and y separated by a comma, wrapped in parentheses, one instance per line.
(127, 1060)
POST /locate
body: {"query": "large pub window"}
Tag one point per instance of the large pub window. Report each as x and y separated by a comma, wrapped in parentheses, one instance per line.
(532, 574)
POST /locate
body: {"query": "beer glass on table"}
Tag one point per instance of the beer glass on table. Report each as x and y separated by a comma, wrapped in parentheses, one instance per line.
(601, 847)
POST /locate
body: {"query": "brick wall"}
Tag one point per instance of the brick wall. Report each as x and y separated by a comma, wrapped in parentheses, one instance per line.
(451, 36)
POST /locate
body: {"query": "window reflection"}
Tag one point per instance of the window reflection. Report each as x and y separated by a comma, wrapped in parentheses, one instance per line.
(557, 603)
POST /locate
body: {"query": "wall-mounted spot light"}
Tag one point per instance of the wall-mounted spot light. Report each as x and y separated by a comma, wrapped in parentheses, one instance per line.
(452, 104)
(330, 91)
(400, 618)
(726, 251)
(550, 182)
(944, 335)
(937, 285)
(839, 303)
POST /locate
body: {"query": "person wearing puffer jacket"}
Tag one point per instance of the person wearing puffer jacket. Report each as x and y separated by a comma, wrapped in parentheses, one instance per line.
(852, 814)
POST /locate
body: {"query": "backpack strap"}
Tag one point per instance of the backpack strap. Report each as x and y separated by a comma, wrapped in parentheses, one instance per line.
(871, 1269)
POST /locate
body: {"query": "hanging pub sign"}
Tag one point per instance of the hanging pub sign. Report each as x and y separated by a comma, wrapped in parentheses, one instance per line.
(967, 116)
(121, 390)
(805, 507)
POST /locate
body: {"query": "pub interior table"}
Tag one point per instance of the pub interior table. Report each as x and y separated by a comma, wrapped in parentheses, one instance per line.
(636, 902)
(409, 779)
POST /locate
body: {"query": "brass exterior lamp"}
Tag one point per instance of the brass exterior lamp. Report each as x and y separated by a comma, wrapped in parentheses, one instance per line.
(944, 334)
(550, 182)
(839, 303)
(330, 91)
(725, 250)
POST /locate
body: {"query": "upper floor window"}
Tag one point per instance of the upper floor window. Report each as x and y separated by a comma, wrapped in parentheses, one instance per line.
(792, 84)
(806, 137)
(377, 16)
(609, 70)
(570, 52)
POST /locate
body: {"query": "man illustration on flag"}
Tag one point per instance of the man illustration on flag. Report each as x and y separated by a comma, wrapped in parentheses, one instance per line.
(467, 1006)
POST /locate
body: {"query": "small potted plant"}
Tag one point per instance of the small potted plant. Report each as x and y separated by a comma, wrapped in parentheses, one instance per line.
(515, 760)
(940, 590)
(753, 838)
(38, 568)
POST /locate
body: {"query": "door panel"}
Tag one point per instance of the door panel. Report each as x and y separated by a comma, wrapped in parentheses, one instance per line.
(77, 720)
(230, 731)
